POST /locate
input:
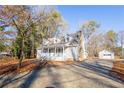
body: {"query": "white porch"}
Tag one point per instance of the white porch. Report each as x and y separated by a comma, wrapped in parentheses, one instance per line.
(58, 53)
(52, 53)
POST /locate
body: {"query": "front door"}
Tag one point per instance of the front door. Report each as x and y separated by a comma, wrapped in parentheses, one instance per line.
(59, 55)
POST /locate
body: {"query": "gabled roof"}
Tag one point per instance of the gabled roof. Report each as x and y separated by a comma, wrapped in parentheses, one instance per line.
(69, 40)
(105, 51)
(4, 53)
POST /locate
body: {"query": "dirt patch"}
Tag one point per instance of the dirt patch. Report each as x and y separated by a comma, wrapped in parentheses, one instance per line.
(60, 62)
(11, 66)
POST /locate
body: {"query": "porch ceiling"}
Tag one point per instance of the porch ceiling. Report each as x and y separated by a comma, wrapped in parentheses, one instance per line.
(58, 45)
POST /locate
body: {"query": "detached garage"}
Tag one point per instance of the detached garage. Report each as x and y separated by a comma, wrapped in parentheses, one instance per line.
(104, 54)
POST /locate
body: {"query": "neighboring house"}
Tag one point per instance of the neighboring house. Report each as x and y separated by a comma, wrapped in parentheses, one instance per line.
(3, 54)
(61, 49)
(104, 54)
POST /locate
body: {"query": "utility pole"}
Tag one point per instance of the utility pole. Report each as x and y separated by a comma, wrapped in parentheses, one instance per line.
(122, 44)
(122, 51)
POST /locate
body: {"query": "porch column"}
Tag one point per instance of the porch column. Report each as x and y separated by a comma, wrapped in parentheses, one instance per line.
(63, 53)
(48, 54)
(42, 50)
(42, 53)
(55, 51)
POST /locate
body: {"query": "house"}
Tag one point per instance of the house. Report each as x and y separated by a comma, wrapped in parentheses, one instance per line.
(104, 54)
(68, 47)
(4, 54)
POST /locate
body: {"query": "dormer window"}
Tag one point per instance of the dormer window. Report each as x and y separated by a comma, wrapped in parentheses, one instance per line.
(55, 41)
(77, 36)
(67, 39)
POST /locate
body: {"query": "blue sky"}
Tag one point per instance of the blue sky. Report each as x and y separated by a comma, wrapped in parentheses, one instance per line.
(110, 17)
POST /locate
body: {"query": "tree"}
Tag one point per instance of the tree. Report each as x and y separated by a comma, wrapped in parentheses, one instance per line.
(111, 40)
(2, 28)
(46, 24)
(50, 22)
(95, 44)
(18, 17)
(121, 42)
(31, 27)
(101, 41)
(88, 28)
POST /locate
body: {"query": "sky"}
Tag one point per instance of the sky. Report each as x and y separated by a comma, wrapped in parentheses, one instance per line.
(109, 17)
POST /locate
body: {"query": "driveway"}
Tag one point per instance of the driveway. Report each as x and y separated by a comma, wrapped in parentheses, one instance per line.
(88, 74)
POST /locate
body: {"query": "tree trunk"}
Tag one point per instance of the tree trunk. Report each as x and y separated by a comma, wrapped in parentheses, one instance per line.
(21, 54)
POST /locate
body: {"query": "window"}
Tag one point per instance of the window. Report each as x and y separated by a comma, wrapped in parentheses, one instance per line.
(52, 50)
(59, 50)
(107, 54)
(77, 36)
(67, 39)
(45, 50)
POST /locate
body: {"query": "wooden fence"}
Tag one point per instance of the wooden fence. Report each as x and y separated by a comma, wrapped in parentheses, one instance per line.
(118, 69)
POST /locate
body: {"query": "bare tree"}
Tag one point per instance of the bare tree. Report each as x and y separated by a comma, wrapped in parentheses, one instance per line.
(88, 28)
(31, 26)
(121, 42)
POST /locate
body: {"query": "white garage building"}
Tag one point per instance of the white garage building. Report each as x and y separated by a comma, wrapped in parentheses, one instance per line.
(104, 54)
